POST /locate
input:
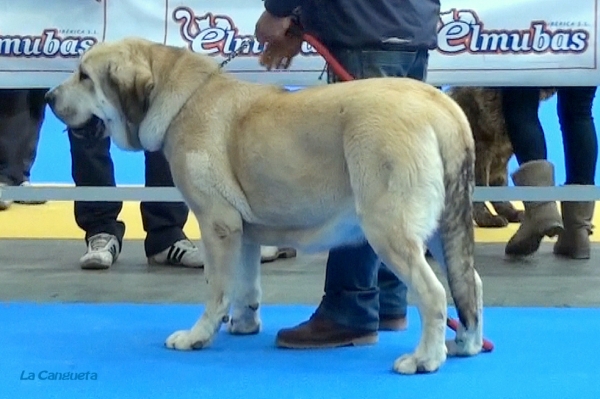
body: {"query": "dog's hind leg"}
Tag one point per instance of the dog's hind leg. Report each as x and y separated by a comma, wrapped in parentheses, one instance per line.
(458, 242)
(403, 252)
(499, 178)
(245, 303)
(399, 198)
(483, 167)
(222, 237)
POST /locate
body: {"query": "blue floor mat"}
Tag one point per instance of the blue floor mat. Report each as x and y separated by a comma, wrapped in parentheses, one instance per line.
(540, 353)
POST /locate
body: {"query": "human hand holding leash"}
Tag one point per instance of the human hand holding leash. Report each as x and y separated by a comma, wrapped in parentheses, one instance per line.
(270, 28)
(282, 39)
(279, 54)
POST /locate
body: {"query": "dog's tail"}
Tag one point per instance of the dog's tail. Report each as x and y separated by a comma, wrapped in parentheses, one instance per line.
(456, 225)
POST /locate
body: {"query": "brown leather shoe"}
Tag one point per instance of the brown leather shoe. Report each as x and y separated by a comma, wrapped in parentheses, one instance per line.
(319, 332)
(392, 323)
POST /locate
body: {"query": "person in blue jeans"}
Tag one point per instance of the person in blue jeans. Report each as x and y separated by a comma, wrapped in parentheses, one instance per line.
(370, 38)
(573, 225)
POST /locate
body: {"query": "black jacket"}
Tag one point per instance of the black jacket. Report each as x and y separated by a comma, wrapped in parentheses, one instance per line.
(410, 24)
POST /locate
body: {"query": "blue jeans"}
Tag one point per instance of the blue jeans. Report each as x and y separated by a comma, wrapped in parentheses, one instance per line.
(359, 288)
(574, 109)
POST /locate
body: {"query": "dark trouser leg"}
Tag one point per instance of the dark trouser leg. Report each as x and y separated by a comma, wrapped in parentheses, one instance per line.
(520, 108)
(392, 294)
(37, 108)
(580, 142)
(163, 221)
(14, 115)
(581, 154)
(91, 165)
(351, 293)
(526, 135)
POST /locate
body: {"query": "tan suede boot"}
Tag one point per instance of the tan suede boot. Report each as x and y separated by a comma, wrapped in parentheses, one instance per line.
(574, 242)
(541, 218)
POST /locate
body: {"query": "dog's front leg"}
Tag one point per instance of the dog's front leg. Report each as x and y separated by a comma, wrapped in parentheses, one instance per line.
(222, 236)
(245, 303)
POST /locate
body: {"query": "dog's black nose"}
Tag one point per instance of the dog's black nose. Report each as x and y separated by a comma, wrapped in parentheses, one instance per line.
(50, 97)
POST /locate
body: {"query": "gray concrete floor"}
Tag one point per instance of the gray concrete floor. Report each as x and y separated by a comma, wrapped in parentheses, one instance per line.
(47, 271)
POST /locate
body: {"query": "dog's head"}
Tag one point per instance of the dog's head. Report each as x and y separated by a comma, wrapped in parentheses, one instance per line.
(109, 93)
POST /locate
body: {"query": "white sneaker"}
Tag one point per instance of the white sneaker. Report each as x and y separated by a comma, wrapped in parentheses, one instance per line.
(4, 204)
(270, 254)
(103, 250)
(182, 253)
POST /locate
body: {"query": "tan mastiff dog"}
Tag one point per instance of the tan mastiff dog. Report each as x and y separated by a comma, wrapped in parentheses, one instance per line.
(388, 160)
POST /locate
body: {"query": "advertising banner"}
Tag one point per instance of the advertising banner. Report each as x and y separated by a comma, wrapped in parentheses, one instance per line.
(480, 43)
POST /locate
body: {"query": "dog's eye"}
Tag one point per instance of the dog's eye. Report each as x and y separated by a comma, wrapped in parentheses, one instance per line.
(83, 76)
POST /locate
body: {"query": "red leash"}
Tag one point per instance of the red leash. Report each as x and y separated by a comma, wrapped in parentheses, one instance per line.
(341, 72)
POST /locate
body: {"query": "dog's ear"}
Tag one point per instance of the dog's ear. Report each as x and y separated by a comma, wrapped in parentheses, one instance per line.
(134, 84)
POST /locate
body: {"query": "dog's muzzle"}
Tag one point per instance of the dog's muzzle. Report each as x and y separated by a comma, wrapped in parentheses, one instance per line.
(93, 129)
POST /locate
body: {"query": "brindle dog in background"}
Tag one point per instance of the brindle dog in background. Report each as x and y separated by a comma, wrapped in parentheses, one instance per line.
(493, 150)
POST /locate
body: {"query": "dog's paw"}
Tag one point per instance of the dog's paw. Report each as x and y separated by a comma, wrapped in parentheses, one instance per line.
(243, 326)
(509, 212)
(463, 348)
(187, 340)
(515, 217)
(491, 221)
(414, 364)
(245, 320)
